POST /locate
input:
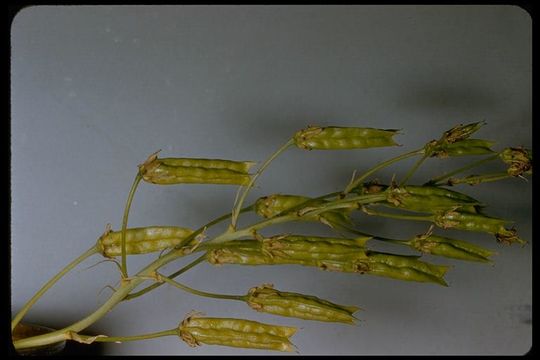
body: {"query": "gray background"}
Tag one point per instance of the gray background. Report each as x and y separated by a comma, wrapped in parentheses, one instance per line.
(96, 89)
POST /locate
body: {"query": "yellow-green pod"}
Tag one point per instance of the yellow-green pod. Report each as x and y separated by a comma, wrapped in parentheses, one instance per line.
(142, 240)
(438, 191)
(340, 138)
(272, 205)
(402, 273)
(463, 148)
(427, 199)
(236, 333)
(399, 267)
(309, 249)
(249, 253)
(269, 300)
(408, 261)
(469, 222)
(331, 254)
(518, 159)
(170, 171)
(450, 248)
(238, 166)
(357, 242)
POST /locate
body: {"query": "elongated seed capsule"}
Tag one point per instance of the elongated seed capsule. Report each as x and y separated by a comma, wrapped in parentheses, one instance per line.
(343, 255)
(266, 299)
(399, 267)
(337, 138)
(407, 261)
(250, 254)
(470, 222)
(462, 148)
(142, 240)
(402, 273)
(518, 159)
(239, 166)
(427, 190)
(426, 200)
(169, 171)
(236, 333)
(272, 205)
(450, 248)
(480, 223)
(357, 242)
(310, 248)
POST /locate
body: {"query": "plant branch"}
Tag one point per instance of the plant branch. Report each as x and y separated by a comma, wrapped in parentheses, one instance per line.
(199, 292)
(380, 166)
(413, 169)
(93, 250)
(475, 180)
(238, 205)
(171, 276)
(437, 180)
(121, 339)
(138, 178)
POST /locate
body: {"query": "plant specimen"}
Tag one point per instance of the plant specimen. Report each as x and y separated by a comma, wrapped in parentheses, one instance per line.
(437, 202)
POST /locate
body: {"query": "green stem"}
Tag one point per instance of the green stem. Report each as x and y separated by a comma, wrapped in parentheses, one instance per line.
(201, 293)
(172, 276)
(474, 180)
(374, 237)
(414, 168)
(125, 287)
(121, 339)
(138, 178)
(376, 168)
(93, 250)
(437, 180)
(238, 205)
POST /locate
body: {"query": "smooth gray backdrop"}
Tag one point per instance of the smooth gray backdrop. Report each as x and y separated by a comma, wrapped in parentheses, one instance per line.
(96, 89)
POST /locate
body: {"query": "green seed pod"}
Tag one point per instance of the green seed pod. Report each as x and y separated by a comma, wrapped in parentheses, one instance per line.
(296, 247)
(469, 222)
(142, 240)
(463, 148)
(405, 268)
(402, 273)
(519, 159)
(273, 205)
(338, 138)
(169, 171)
(427, 198)
(269, 300)
(238, 166)
(241, 252)
(450, 248)
(440, 192)
(240, 333)
(331, 254)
